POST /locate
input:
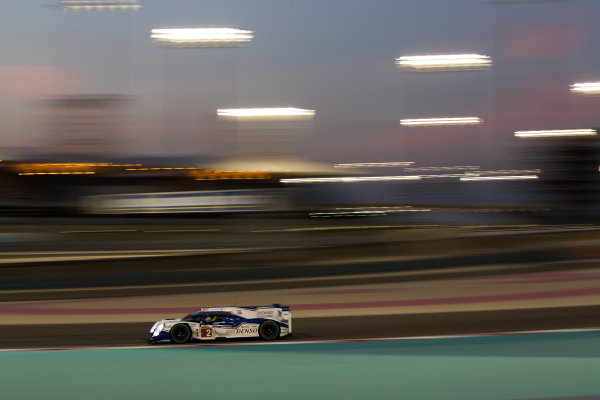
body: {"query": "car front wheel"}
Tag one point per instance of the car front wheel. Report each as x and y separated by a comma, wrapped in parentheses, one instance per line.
(269, 330)
(180, 333)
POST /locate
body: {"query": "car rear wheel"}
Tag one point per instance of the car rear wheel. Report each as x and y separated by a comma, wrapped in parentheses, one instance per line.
(180, 333)
(269, 330)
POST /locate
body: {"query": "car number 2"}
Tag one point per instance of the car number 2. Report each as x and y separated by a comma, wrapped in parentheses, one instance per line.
(206, 332)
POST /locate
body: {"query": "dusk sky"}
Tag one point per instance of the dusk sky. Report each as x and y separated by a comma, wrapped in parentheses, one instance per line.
(332, 56)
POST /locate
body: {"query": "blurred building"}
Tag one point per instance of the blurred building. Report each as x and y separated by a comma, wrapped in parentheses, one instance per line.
(570, 175)
(266, 132)
(85, 124)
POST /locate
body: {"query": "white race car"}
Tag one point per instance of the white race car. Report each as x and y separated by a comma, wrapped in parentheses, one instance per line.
(266, 322)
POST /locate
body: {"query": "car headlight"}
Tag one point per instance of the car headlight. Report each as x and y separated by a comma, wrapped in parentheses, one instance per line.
(158, 329)
(154, 326)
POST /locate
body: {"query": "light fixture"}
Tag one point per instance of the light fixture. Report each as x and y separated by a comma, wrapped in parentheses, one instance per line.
(202, 37)
(556, 133)
(444, 62)
(440, 121)
(586, 88)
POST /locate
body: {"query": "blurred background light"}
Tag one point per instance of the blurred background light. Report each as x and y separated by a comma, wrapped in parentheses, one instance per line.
(453, 168)
(586, 88)
(430, 176)
(375, 164)
(508, 171)
(556, 133)
(440, 121)
(59, 173)
(444, 61)
(265, 113)
(498, 178)
(346, 179)
(100, 5)
(202, 37)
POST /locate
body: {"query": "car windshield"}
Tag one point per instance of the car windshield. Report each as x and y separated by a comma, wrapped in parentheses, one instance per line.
(195, 317)
(190, 317)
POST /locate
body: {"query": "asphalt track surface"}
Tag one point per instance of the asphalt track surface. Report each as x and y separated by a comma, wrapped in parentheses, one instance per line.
(193, 269)
(357, 327)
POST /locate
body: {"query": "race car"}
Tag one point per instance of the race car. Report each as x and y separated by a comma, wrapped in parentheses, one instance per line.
(210, 323)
